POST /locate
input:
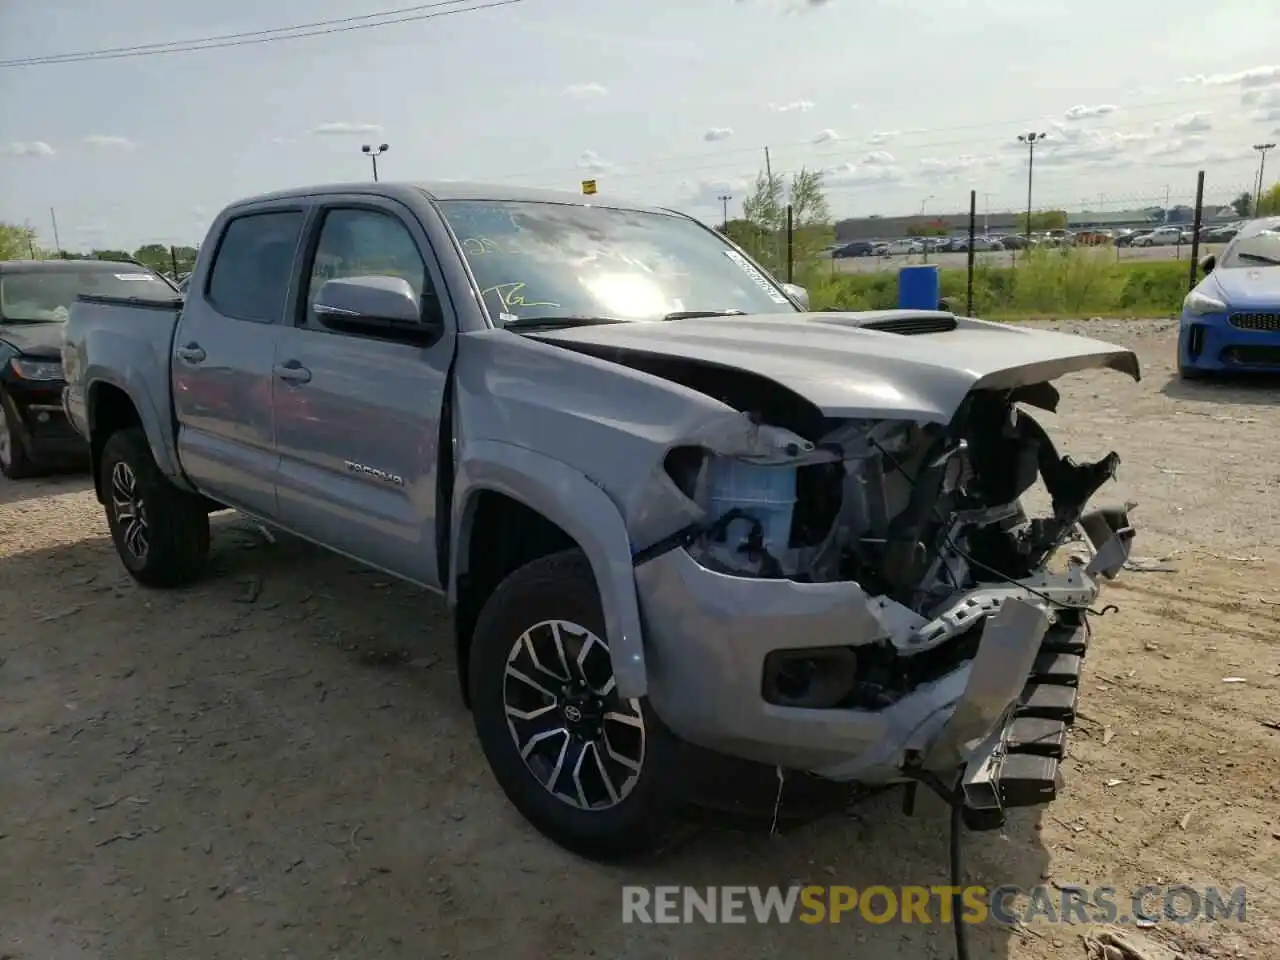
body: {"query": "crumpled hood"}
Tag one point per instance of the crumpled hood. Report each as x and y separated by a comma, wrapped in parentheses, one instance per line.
(847, 370)
(40, 340)
(1256, 288)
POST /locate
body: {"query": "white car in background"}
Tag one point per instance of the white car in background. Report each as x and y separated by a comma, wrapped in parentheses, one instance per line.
(904, 246)
(1161, 237)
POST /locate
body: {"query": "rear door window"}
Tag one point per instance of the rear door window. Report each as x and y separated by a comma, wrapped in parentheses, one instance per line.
(253, 266)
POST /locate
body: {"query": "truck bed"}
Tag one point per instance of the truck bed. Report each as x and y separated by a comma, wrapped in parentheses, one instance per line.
(131, 342)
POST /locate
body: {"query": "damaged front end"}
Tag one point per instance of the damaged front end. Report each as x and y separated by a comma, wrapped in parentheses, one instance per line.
(868, 600)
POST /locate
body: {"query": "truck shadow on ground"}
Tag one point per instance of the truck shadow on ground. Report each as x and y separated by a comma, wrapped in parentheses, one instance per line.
(1251, 390)
(294, 726)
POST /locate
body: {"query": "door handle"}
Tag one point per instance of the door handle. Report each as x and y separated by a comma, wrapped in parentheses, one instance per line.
(191, 353)
(292, 372)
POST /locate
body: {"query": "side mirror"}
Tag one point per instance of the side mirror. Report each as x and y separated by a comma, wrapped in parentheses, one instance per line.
(1208, 263)
(379, 306)
(797, 293)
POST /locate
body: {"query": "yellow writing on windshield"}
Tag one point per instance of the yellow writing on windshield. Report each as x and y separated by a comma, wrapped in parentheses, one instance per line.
(479, 245)
(511, 295)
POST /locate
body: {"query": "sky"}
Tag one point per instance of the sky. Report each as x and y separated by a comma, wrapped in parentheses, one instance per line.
(907, 105)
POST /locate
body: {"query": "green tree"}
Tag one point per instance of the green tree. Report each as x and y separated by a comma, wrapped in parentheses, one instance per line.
(1269, 202)
(1243, 204)
(17, 242)
(1043, 220)
(763, 230)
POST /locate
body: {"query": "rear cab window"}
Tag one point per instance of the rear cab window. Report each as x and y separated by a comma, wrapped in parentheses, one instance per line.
(253, 265)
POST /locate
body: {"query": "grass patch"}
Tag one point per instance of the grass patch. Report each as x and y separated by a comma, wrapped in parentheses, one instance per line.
(1050, 284)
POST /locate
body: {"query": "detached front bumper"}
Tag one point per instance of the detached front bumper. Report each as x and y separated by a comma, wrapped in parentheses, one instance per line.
(1000, 713)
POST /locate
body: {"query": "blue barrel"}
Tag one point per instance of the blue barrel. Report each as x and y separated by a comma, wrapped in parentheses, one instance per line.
(919, 287)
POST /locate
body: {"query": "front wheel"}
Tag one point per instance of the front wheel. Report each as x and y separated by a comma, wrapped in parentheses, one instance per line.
(161, 533)
(589, 769)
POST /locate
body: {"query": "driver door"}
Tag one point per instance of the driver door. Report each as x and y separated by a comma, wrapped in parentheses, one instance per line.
(357, 417)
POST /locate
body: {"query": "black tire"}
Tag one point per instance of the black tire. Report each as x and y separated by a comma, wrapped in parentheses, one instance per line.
(176, 524)
(562, 587)
(14, 462)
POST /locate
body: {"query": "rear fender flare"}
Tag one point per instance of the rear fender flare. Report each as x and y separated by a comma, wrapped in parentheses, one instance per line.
(156, 428)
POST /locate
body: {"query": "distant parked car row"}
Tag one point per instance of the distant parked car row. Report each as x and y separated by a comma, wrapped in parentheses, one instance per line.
(1168, 235)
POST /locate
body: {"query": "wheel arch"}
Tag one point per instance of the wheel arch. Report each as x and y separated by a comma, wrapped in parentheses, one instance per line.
(545, 506)
(110, 406)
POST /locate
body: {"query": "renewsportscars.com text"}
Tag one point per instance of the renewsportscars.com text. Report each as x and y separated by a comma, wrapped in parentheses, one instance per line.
(935, 904)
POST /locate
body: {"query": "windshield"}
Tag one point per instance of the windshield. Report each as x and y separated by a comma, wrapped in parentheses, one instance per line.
(1260, 249)
(45, 296)
(548, 260)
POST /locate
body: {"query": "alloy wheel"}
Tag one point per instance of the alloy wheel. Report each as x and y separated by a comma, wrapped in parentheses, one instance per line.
(130, 511)
(579, 739)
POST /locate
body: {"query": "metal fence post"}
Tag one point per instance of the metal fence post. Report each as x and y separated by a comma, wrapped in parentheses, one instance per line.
(973, 222)
(790, 249)
(1195, 233)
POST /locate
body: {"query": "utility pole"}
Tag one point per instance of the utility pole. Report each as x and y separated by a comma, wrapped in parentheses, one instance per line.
(57, 244)
(373, 154)
(1030, 139)
(986, 213)
(724, 199)
(1262, 149)
(768, 169)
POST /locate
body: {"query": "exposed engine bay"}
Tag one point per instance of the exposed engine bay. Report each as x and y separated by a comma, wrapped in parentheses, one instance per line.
(911, 511)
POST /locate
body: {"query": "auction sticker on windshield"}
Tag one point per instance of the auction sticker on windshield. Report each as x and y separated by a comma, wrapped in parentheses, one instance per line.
(759, 278)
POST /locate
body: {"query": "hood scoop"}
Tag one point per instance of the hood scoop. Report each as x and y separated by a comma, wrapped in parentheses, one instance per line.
(914, 326)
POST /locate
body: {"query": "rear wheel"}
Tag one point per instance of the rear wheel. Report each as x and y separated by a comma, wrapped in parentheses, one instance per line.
(14, 462)
(587, 768)
(161, 533)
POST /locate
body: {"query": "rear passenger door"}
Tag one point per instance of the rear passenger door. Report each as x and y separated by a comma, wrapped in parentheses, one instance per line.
(358, 415)
(222, 357)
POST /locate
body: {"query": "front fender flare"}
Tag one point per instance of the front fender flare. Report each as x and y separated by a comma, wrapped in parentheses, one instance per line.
(568, 498)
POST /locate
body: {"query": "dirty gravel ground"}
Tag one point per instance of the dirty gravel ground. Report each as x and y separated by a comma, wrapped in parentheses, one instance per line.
(228, 771)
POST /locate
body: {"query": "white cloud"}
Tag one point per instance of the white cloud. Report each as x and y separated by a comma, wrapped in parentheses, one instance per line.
(1192, 123)
(826, 136)
(109, 140)
(878, 157)
(718, 133)
(1255, 77)
(950, 166)
(1082, 112)
(583, 91)
(592, 162)
(883, 136)
(795, 106)
(1261, 98)
(280, 140)
(1176, 146)
(855, 175)
(1068, 144)
(1269, 115)
(342, 128)
(31, 148)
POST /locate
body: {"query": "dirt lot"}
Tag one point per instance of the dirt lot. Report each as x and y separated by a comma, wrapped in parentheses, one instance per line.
(229, 772)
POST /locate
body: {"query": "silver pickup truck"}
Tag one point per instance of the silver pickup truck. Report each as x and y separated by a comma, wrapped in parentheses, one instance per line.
(670, 507)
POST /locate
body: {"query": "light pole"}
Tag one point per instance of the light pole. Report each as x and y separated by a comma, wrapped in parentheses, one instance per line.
(1030, 139)
(374, 153)
(1262, 149)
(724, 199)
